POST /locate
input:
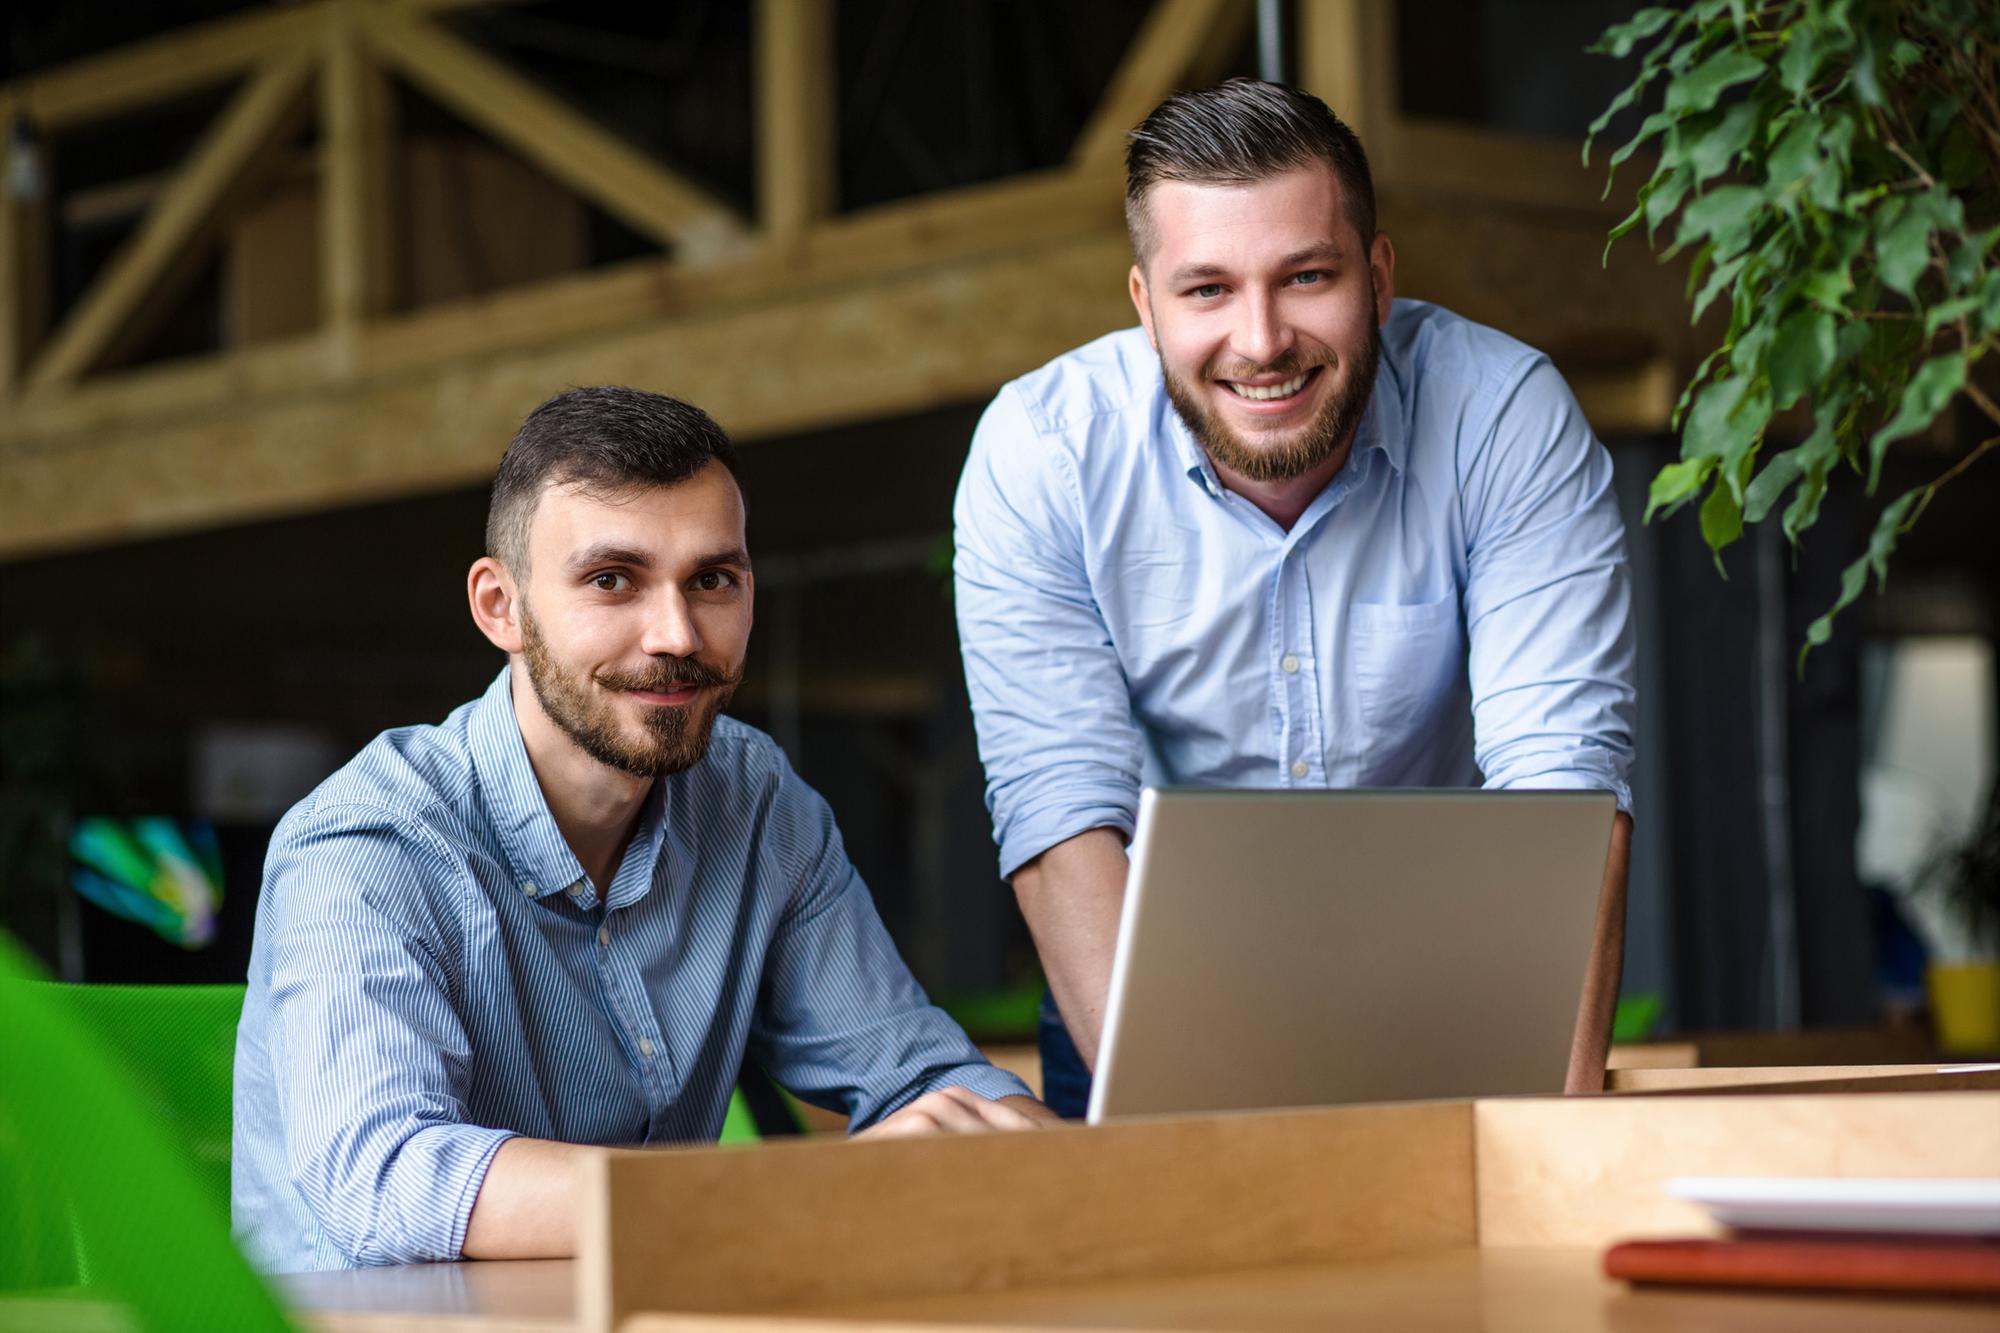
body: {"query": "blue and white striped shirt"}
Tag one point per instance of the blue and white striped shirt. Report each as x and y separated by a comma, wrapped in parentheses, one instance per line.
(1453, 608)
(434, 973)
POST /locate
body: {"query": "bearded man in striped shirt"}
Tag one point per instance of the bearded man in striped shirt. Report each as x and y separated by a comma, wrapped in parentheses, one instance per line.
(563, 916)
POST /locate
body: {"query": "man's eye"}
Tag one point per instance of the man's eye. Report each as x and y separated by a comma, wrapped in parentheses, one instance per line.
(1311, 277)
(714, 580)
(610, 581)
(1208, 291)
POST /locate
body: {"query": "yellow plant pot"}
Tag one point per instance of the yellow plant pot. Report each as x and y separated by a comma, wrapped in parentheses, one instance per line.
(1965, 1004)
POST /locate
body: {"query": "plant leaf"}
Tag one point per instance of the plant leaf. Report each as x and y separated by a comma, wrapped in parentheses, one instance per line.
(1676, 484)
(1969, 257)
(1867, 83)
(1724, 274)
(1711, 153)
(1934, 385)
(1796, 155)
(1669, 189)
(1619, 39)
(1648, 127)
(1701, 87)
(1811, 459)
(1803, 350)
(1721, 522)
(1881, 545)
(1902, 248)
(1764, 489)
(1726, 214)
(1802, 58)
(1726, 422)
(1803, 511)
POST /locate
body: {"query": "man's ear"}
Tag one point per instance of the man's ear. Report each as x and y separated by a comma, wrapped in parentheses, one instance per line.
(496, 603)
(1382, 272)
(1143, 303)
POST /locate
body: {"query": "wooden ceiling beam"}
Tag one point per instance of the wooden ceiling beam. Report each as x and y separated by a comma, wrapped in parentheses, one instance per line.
(143, 277)
(183, 61)
(1340, 61)
(1015, 215)
(1170, 41)
(26, 279)
(549, 133)
(797, 168)
(940, 335)
(357, 157)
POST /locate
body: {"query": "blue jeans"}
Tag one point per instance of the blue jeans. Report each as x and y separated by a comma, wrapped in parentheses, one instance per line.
(1065, 1080)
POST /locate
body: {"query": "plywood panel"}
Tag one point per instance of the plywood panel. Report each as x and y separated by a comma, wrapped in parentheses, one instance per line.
(1592, 1170)
(1716, 1079)
(804, 1224)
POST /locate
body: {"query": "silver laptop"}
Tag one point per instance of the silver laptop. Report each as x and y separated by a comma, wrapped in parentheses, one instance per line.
(1303, 948)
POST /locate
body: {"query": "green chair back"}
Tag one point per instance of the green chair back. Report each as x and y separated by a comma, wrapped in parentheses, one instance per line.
(106, 1211)
(178, 1046)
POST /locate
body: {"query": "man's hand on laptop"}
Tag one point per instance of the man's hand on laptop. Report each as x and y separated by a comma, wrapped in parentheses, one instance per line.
(958, 1111)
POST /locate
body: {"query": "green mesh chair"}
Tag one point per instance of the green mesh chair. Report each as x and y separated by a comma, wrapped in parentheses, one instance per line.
(106, 1200)
(178, 1046)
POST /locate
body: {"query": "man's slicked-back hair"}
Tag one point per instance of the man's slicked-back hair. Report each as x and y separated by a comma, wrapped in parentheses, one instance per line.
(1238, 133)
(604, 440)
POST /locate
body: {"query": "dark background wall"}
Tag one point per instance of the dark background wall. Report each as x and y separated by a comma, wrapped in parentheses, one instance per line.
(339, 624)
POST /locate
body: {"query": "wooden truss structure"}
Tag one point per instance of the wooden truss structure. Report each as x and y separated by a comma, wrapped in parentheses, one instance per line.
(798, 318)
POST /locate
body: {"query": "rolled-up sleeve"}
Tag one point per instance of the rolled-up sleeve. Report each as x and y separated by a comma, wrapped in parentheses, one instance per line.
(1548, 595)
(840, 1021)
(370, 1058)
(1062, 751)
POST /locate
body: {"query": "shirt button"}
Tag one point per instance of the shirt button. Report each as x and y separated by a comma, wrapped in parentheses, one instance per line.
(1290, 664)
(646, 1047)
(528, 887)
(575, 890)
(604, 935)
(1299, 769)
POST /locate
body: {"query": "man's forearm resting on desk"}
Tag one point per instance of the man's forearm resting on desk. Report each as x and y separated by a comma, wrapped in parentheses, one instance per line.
(1071, 896)
(526, 1207)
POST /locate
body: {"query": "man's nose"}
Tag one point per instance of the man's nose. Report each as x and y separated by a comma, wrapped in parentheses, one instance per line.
(670, 628)
(1261, 335)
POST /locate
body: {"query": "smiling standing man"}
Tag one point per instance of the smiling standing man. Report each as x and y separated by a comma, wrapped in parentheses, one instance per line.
(1290, 532)
(562, 916)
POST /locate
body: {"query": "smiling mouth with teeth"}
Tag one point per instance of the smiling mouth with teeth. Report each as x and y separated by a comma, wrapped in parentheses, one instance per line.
(1268, 392)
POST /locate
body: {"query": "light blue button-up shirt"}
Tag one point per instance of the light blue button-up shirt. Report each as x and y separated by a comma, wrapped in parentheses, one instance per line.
(433, 973)
(1453, 609)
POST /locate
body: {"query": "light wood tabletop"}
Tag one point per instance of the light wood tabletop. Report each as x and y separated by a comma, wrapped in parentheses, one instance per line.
(1466, 1290)
(1502, 1289)
(519, 1296)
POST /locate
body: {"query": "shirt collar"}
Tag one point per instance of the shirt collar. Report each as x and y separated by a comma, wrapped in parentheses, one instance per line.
(537, 853)
(1381, 427)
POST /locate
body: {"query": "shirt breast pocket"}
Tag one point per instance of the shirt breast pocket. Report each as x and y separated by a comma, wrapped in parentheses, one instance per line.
(1405, 659)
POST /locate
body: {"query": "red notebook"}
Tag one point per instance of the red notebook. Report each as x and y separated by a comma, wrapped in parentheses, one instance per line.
(1955, 1266)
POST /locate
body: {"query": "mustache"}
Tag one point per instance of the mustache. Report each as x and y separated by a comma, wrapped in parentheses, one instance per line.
(1290, 362)
(667, 674)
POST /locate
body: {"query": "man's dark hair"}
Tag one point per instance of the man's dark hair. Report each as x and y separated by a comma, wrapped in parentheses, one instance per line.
(1237, 133)
(605, 440)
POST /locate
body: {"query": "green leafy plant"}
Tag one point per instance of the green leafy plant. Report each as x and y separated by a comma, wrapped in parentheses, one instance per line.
(1833, 166)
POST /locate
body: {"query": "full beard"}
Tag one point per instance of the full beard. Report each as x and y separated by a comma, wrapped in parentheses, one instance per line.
(675, 737)
(1328, 431)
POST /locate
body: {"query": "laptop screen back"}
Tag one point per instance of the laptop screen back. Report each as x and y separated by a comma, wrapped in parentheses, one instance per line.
(1288, 948)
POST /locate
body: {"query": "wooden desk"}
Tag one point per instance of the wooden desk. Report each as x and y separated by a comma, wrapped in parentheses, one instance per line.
(1466, 1290)
(1445, 1216)
(530, 1296)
